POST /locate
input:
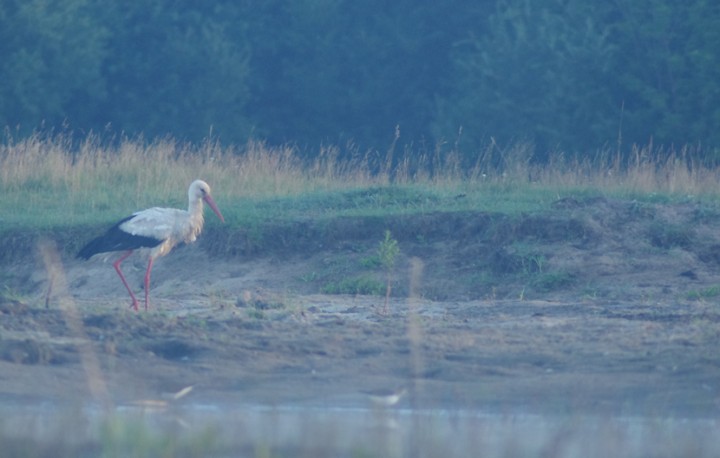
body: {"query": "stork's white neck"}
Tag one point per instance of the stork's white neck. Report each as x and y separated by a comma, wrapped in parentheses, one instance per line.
(196, 206)
(196, 219)
(197, 191)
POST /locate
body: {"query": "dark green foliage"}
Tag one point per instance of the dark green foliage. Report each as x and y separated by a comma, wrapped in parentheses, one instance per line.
(534, 76)
(151, 68)
(575, 75)
(174, 68)
(51, 54)
(338, 72)
(667, 70)
(579, 76)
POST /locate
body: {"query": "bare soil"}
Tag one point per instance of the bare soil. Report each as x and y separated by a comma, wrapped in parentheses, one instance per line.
(597, 306)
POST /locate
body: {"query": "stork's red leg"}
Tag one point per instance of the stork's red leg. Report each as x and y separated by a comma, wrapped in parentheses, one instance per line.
(147, 283)
(116, 264)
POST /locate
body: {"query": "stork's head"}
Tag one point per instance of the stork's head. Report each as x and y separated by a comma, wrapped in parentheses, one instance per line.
(199, 190)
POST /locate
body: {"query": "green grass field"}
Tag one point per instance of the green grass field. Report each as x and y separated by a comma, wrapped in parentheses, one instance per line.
(49, 182)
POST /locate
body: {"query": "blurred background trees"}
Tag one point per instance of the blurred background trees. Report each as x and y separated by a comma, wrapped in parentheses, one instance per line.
(571, 75)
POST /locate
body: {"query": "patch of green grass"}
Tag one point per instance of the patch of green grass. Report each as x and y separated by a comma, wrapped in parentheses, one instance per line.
(529, 260)
(196, 321)
(707, 293)
(308, 277)
(666, 235)
(122, 437)
(525, 264)
(255, 314)
(51, 182)
(388, 251)
(8, 294)
(334, 203)
(371, 262)
(551, 281)
(364, 284)
(350, 275)
(257, 308)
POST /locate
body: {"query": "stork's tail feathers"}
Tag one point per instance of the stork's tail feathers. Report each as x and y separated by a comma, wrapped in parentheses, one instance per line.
(116, 239)
(90, 249)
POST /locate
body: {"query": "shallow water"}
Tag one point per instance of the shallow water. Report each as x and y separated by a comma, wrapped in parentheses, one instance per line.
(247, 430)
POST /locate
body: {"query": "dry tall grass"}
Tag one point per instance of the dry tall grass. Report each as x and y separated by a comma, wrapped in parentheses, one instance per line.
(72, 178)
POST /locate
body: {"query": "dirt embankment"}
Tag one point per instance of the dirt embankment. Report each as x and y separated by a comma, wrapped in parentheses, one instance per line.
(596, 305)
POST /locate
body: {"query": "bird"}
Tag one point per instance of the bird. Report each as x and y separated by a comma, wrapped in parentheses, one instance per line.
(384, 397)
(155, 230)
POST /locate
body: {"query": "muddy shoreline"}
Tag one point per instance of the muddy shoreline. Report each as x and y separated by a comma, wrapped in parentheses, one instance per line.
(555, 314)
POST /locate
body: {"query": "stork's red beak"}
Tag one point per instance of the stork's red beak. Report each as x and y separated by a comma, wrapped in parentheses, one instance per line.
(208, 198)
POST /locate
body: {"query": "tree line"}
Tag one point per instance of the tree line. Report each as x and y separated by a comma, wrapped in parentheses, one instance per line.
(572, 75)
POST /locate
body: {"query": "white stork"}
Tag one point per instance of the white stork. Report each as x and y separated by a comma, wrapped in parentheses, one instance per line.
(156, 229)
